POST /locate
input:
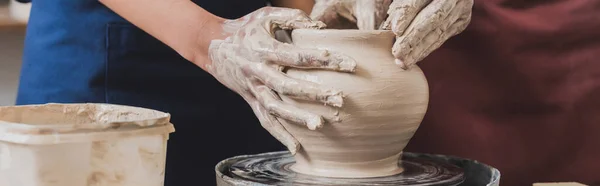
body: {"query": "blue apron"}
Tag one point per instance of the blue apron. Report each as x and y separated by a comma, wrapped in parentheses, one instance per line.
(80, 51)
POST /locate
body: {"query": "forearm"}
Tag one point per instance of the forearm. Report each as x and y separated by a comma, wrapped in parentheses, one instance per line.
(180, 24)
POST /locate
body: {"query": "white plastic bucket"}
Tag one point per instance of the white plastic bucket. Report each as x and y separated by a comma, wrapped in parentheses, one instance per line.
(82, 145)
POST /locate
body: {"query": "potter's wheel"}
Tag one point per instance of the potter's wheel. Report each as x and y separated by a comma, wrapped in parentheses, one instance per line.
(419, 169)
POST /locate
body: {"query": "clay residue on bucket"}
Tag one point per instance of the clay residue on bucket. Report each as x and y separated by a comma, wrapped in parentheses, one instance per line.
(62, 117)
(128, 161)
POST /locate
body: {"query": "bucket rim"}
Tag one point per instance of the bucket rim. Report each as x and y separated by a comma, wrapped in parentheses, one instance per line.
(157, 118)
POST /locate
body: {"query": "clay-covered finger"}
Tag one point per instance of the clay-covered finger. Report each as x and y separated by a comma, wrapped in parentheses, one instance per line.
(274, 127)
(455, 28)
(430, 18)
(459, 17)
(300, 89)
(431, 42)
(274, 106)
(455, 23)
(288, 55)
(370, 13)
(292, 19)
(402, 13)
(296, 24)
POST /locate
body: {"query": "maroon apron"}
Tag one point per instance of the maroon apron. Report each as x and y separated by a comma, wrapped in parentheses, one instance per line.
(520, 90)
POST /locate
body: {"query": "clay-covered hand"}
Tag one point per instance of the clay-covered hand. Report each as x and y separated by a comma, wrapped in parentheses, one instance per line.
(422, 26)
(351, 14)
(250, 61)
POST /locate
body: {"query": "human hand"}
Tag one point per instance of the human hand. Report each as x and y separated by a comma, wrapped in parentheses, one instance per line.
(351, 14)
(250, 62)
(422, 26)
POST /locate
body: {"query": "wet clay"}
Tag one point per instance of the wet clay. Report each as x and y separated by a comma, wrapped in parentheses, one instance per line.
(421, 26)
(351, 14)
(249, 61)
(383, 107)
(65, 118)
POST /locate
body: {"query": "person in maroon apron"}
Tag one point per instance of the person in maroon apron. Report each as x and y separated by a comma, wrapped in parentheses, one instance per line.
(519, 89)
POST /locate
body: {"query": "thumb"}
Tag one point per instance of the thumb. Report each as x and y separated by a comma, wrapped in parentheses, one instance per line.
(402, 13)
(275, 128)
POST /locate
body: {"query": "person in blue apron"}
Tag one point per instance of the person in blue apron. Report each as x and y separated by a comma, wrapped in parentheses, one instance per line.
(80, 51)
(89, 51)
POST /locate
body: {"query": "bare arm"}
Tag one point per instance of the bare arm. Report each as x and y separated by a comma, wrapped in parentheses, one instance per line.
(236, 53)
(176, 23)
(304, 5)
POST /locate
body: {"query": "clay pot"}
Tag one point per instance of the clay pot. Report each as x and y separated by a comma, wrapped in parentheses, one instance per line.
(383, 107)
